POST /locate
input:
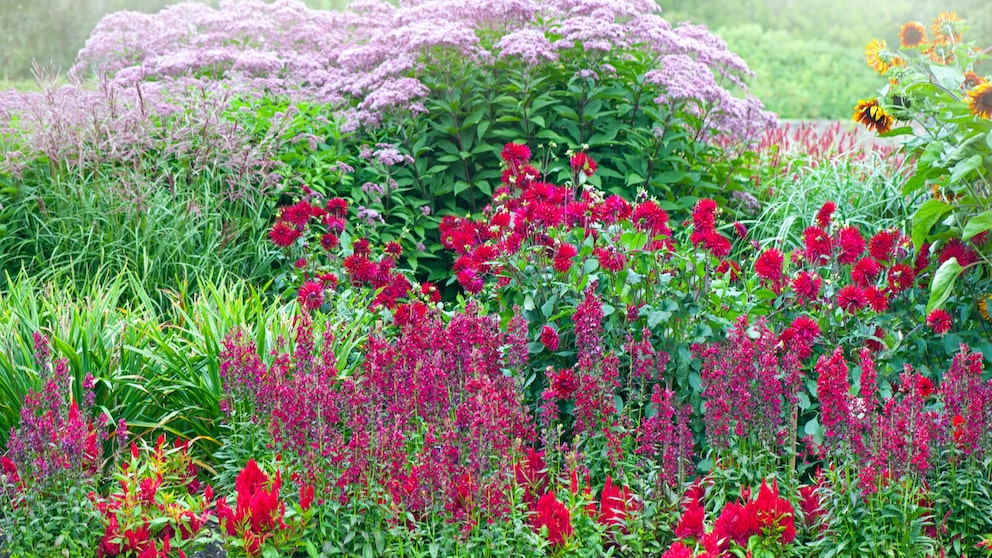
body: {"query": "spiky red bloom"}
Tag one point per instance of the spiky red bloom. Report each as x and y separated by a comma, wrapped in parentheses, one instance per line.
(329, 241)
(691, 524)
(716, 243)
(805, 329)
(864, 272)
(852, 245)
(825, 213)
(470, 281)
(555, 516)
(337, 207)
(583, 163)
(704, 214)
(393, 248)
(648, 217)
(818, 244)
(877, 299)
(562, 261)
(515, 154)
(729, 266)
(900, 278)
(851, 298)
(939, 321)
(615, 503)
(361, 247)
(768, 265)
(359, 268)
(563, 383)
(882, 246)
(549, 338)
(611, 259)
(807, 286)
(956, 248)
(298, 214)
(311, 296)
(678, 550)
(283, 235)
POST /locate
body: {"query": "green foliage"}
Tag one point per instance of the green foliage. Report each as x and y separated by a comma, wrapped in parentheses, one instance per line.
(62, 522)
(797, 75)
(473, 111)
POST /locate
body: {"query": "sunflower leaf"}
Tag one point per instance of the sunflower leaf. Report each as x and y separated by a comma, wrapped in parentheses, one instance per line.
(978, 225)
(943, 282)
(925, 218)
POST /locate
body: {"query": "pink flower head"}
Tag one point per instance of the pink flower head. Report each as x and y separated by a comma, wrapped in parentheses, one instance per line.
(311, 296)
(549, 338)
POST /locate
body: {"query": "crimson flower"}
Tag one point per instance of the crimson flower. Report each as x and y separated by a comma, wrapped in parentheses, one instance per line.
(852, 245)
(851, 298)
(283, 235)
(768, 266)
(515, 154)
(562, 261)
(806, 286)
(311, 295)
(900, 278)
(563, 383)
(939, 321)
(882, 246)
(555, 516)
(583, 163)
(549, 337)
(691, 524)
(818, 244)
(825, 213)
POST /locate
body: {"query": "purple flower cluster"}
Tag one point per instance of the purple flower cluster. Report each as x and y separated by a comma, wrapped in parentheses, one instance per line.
(365, 59)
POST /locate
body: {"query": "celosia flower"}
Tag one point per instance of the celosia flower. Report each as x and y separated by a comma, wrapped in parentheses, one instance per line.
(678, 550)
(691, 523)
(549, 337)
(553, 515)
(939, 321)
(615, 502)
(851, 298)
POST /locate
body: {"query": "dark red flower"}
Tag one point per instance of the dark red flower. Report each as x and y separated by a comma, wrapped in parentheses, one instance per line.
(824, 214)
(393, 248)
(361, 247)
(852, 245)
(298, 214)
(956, 248)
(549, 337)
(562, 261)
(563, 383)
(716, 243)
(704, 214)
(329, 241)
(939, 321)
(337, 207)
(311, 296)
(900, 278)
(648, 217)
(877, 300)
(583, 163)
(691, 524)
(864, 272)
(730, 266)
(851, 298)
(807, 286)
(515, 154)
(283, 235)
(611, 259)
(818, 244)
(882, 246)
(768, 266)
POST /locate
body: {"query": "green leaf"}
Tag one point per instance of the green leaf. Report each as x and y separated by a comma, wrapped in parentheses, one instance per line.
(965, 167)
(978, 225)
(943, 281)
(925, 218)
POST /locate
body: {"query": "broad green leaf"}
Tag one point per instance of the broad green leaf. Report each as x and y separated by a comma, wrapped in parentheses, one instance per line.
(925, 218)
(978, 225)
(943, 281)
(965, 167)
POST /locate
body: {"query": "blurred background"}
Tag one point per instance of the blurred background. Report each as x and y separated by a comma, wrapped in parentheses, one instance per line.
(808, 55)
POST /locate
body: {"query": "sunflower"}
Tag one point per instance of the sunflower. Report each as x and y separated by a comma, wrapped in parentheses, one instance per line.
(944, 29)
(940, 53)
(981, 100)
(971, 79)
(873, 116)
(983, 307)
(912, 34)
(876, 56)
